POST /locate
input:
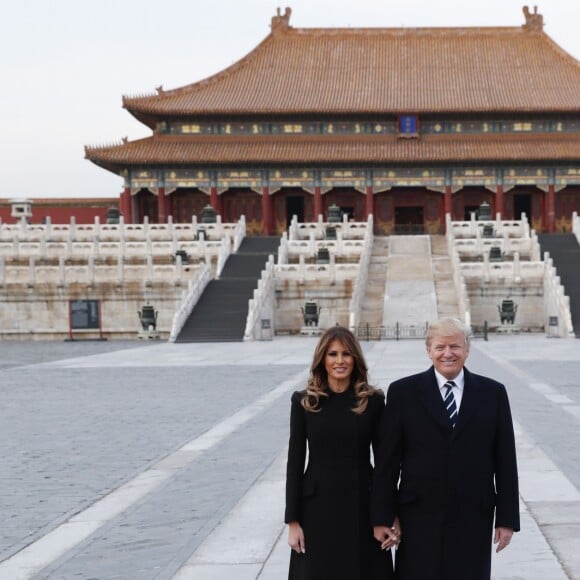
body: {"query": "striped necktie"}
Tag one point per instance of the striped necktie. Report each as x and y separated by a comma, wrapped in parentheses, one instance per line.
(450, 404)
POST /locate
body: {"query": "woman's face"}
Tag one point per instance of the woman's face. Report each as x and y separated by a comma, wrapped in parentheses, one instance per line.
(339, 364)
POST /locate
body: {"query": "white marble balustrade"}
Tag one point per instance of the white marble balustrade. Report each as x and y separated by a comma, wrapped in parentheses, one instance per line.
(501, 272)
(197, 250)
(89, 273)
(361, 280)
(321, 273)
(476, 247)
(576, 225)
(261, 305)
(474, 228)
(117, 232)
(346, 229)
(556, 303)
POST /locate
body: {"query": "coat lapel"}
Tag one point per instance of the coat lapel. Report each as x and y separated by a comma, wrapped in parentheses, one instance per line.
(468, 401)
(432, 400)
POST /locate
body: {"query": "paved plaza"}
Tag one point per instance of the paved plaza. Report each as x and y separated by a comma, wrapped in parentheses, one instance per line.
(129, 460)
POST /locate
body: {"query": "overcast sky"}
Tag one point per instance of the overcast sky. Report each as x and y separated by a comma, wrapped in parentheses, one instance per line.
(65, 65)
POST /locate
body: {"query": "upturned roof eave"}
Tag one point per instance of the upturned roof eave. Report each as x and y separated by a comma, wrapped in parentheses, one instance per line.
(151, 117)
(108, 157)
(132, 104)
(120, 168)
(148, 119)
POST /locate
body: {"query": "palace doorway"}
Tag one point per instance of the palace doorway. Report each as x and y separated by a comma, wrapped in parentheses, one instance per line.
(294, 207)
(468, 210)
(347, 210)
(147, 206)
(409, 220)
(522, 204)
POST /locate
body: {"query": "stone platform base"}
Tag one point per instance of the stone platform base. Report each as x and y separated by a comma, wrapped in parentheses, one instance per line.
(149, 335)
(508, 329)
(310, 331)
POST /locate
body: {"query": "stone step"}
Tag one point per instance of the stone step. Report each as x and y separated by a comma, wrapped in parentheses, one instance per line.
(372, 307)
(447, 304)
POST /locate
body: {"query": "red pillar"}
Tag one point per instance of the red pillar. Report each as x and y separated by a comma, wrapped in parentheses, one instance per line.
(127, 205)
(370, 209)
(499, 202)
(213, 198)
(317, 202)
(266, 211)
(161, 211)
(551, 209)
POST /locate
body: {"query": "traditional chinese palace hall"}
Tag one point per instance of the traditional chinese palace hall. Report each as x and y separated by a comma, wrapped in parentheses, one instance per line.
(405, 123)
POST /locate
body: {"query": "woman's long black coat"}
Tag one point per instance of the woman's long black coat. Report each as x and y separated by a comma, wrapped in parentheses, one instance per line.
(331, 499)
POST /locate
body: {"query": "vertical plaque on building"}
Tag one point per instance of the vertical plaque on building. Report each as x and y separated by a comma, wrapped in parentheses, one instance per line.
(408, 126)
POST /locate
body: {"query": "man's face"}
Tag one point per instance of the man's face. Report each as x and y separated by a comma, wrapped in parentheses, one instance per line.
(448, 354)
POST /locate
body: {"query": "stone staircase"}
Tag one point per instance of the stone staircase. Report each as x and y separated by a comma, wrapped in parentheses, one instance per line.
(444, 286)
(372, 309)
(221, 312)
(565, 252)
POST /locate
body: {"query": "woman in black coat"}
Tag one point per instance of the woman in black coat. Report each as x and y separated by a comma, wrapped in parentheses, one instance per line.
(327, 505)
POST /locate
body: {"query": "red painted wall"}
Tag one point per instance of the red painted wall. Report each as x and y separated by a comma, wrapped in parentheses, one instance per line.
(61, 210)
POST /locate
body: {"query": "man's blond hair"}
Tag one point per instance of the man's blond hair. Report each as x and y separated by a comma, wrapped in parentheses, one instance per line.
(447, 327)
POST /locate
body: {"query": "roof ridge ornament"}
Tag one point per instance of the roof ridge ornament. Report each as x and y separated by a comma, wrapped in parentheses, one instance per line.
(281, 22)
(534, 21)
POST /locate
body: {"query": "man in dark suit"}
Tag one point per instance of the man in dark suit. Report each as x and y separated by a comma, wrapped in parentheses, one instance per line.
(446, 466)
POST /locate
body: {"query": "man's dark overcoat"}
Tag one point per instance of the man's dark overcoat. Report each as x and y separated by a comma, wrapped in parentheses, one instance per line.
(331, 499)
(452, 480)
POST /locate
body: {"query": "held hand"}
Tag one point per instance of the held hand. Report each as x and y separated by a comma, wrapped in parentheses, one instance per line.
(388, 537)
(296, 538)
(502, 538)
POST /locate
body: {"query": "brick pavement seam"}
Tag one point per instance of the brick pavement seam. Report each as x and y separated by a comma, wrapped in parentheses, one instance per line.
(40, 553)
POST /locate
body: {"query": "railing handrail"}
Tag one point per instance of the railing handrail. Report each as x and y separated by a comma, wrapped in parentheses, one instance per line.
(361, 280)
(262, 301)
(463, 303)
(556, 302)
(576, 225)
(194, 291)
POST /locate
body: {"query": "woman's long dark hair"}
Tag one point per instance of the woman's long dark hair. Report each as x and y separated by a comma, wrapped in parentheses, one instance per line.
(317, 385)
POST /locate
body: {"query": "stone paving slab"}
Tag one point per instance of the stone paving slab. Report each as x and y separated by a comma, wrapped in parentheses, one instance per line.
(69, 436)
(529, 557)
(98, 419)
(87, 428)
(176, 518)
(19, 353)
(560, 523)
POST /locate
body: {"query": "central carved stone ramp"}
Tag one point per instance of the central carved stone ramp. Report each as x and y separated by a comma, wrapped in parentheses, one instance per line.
(221, 312)
(447, 303)
(372, 308)
(410, 288)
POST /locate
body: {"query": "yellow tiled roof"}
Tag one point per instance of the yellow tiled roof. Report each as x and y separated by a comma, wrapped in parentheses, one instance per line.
(297, 71)
(323, 150)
